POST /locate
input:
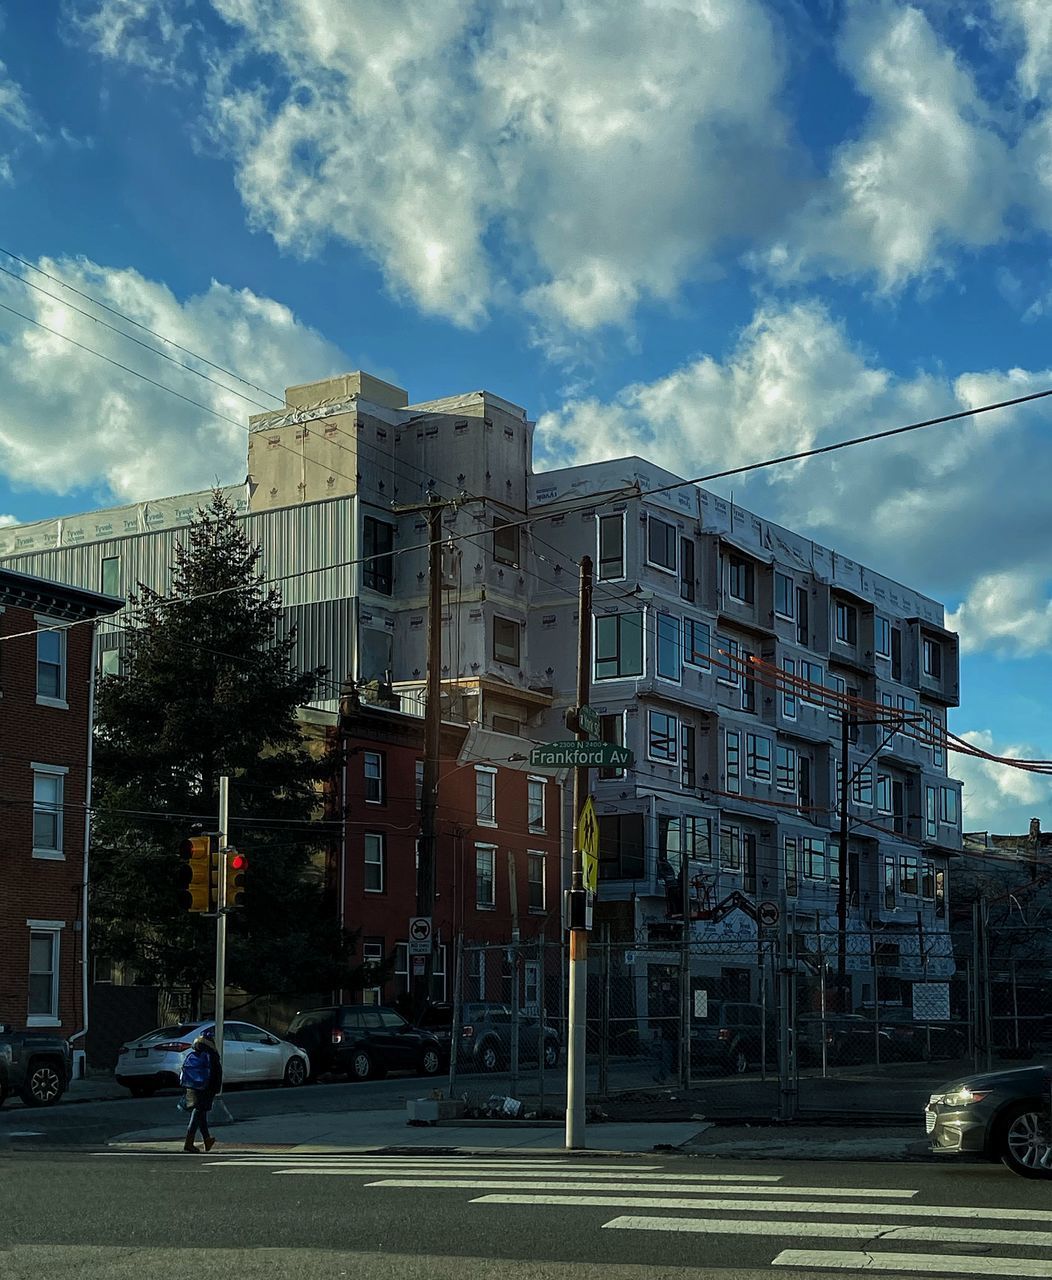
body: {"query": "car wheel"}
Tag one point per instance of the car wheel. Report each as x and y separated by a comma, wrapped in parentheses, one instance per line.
(489, 1057)
(44, 1085)
(1025, 1140)
(551, 1054)
(430, 1063)
(361, 1065)
(295, 1073)
(142, 1090)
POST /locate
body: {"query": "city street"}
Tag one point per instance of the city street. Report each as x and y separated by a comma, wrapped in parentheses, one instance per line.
(331, 1215)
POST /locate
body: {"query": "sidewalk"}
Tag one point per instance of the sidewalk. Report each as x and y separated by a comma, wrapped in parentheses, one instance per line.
(387, 1132)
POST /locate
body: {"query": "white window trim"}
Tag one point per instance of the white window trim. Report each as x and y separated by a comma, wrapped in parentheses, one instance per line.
(879, 653)
(790, 692)
(45, 623)
(491, 849)
(791, 790)
(736, 789)
(543, 908)
(729, 664)
(678, 678)
(706, 662)
(730, 594)
(378, 835)
(55, 928)
(791, 615)
(53, 771)
(673, 759)
(366, 779)
(771, 767)
(653, 564)
(542, 829)
(624, 546)
(644, 615)
(479, 820)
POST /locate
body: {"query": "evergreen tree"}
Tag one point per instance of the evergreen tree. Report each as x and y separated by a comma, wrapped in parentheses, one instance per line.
(208, 687)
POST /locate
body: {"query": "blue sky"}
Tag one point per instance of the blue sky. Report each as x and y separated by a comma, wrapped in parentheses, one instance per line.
(705, 231)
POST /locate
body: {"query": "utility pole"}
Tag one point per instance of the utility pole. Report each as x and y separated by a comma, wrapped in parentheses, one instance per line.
(224, 840)
(425, 876)
(575, 1057)
(841, 906)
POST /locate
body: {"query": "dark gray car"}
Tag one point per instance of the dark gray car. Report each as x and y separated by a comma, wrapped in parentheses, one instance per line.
(1005, 1115)
(485, 1035)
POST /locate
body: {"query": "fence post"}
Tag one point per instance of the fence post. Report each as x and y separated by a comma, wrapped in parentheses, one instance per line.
(542, 1014)
(604, 1013)
(987, 993)
(514, 950)
(458, 1014)
(785, 1092)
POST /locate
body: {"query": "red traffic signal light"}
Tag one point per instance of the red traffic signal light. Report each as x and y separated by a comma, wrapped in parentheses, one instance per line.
(236, 871)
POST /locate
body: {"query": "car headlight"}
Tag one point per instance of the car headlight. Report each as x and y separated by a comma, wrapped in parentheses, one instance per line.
(961, 1097)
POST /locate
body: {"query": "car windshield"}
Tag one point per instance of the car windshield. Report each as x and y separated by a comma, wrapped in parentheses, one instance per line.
(179, 1032)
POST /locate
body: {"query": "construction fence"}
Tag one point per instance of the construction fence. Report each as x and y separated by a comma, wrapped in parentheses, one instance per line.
(777, 1026)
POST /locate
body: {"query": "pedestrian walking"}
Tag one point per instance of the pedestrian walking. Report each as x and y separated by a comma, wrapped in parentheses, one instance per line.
(202, 1078)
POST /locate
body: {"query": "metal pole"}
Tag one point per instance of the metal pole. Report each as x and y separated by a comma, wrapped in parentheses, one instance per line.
(425, 876)
(220, 1112)
(841, 904)
(987, 1010)
(1015, 1006)
(785, 1109)
(458, 1014)
(604, 1015)
(576, 1041)
(684, 967)
(542, 1013)
(513, 897)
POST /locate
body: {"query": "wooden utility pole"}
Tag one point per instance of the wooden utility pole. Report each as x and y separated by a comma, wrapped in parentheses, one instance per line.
(841, 907)
(576, 1042)
(425, 875)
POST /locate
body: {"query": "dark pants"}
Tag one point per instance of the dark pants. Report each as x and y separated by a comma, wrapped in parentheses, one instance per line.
(200, 1104)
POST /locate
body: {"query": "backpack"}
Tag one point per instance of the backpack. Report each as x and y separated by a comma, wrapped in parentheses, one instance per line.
(197, 1070)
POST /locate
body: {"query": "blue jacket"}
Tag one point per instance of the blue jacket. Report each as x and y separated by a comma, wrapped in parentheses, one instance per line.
(197, 1070)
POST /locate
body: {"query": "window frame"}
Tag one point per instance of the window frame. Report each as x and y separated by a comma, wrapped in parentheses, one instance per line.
(600, 559)
(671, 736)
(486, 851)
(618, 658)
(883, 785)
(485, 813)
(375, 841)
(52, 930)
(671, 536)
(533, 857)
(789, 694)
(377, 566)
(740, 565)
(692, 655)
(731, 848)
(605, 719)
(931, 658)
(728, 669)
(668, 636)
(513, 627)
(503, 553)
(53, 808)
(536, 827)
(792, 878)
(46, 627)
(785, 773)
(779, 579)
(944, 809)
(807, 668)
(844, 612)
(882, 633)
(732, 774)
(687, 570)
(374, 783)
(111, 588)
(755, 759)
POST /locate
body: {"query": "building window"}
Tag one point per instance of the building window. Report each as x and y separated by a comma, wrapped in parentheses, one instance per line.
(618, 645)
(695, 642)
(110, 576)
(883, 793)
(890, 892)
(940, 894)
(475, 985)
(535, 878)
(833, 857)
(51, 666)
(686, 569)
(789, 692)
(786, 769)
(669, 651)
(948, 810)
(749, 850)
(621, 846)
(728, 660)
(882, 636)
(748, 682)
(732, 746)
(846, 623)
(485, 795)
(812, 675)
(662, 737)
(43, 976)
(928, 881)
(783, 595)
(373, 763)
(506, 636)
(375, 862)
(48, 792)
(505, 541)
(909, 875)
(688, 746)
(611, 548)
(661, 544)
(485, 858)
(111, 662)
(731, 848)
(803, 769)
(803, 626)
(612, 729)
(740, 579)
(508, 725)
(932, 659)
(838, 686)
(758, 757)
(896, 653)
(907, 714)
(813, 856)
(535, 803)
(791, 883)
(697, 838)
(378, 555)
(862, 787)
(936, 737)
(418, 783)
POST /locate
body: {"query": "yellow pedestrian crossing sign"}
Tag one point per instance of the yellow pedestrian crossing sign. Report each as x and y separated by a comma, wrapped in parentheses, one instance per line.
(588, 843)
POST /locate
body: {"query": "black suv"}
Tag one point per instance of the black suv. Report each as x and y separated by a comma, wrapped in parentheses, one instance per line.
(363, 1041)
(729, 1037)
(485, 1035)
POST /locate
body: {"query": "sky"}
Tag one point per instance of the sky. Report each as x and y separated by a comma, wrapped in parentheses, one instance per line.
(702, 231)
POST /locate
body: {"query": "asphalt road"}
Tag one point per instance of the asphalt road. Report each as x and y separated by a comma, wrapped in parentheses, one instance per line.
(122, 1215)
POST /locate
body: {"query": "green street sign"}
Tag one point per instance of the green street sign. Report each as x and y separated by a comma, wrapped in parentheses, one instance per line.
(591, 755)
(588, 719)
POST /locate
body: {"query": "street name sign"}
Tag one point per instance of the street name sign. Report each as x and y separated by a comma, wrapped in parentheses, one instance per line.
(591, 755)
(588, 719)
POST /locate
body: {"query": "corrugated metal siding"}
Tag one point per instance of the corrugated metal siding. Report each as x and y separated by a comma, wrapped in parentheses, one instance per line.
(325, 639)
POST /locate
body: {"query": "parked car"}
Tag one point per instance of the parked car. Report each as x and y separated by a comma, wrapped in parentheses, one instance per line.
(729, 1037)
(910, 1040)
(363, 1041)
(485, 1035)
(251, 1055)
(849, 1039)
(35, 1065)
(1002, 1115)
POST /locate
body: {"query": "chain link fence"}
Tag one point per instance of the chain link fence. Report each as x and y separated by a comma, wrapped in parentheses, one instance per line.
(784, 1025)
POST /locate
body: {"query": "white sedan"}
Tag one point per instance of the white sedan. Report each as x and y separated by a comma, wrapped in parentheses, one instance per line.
(250, 1056)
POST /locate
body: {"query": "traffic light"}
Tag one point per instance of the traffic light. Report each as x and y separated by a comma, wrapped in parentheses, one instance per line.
(195, 875)
(236, 871)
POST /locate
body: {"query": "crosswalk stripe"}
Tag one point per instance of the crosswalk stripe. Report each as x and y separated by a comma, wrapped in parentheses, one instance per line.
(523, 1168)
(699, 1187)
(912, 1262)
(839, 1230)
(775, 1206)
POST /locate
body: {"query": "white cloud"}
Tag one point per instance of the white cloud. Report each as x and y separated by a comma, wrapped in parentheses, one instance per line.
(999, 798)
(143, 33)
(17, 122)
(923, 507)
(582, 157)
(927, 174)
(70, 420)
(1008, 612)
(1030, 21)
